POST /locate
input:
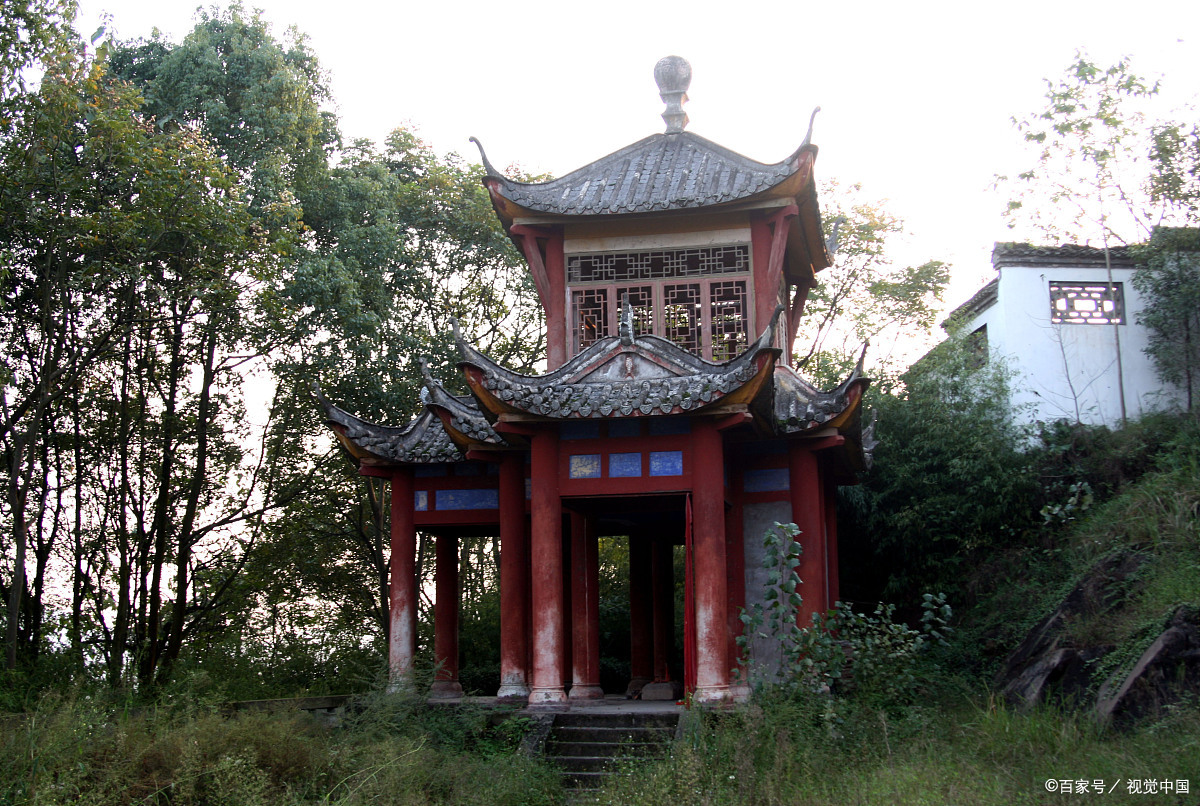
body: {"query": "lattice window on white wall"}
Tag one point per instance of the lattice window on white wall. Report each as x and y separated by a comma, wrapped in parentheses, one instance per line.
(1087, 303)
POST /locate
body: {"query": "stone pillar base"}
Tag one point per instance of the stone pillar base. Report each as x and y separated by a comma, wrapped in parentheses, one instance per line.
(669, 691)
(513, 692)
(634, 689)
(548, 697)
(445, 690)
(712, 694)
(586, 693)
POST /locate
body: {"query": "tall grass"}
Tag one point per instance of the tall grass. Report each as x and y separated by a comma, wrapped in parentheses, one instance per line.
(78, 751)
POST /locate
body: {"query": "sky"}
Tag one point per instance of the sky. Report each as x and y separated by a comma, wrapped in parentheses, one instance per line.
(916, 97)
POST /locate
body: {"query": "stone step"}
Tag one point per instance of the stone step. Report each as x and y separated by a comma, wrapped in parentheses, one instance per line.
(573, 764)
(555, 747)
(618, 720)
(611, 735)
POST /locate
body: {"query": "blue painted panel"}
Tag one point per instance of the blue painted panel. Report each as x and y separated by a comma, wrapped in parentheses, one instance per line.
(624, 428)
(665, 426)
(624, 465)
(580, 429)
(666, 463)
(428, 471)
(467, 499)
(584, 466)
(766, 480)
(468, 469)
(421, 501)
(528, 489)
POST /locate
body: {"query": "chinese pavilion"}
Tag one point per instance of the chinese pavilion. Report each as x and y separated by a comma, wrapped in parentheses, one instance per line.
(673, 274)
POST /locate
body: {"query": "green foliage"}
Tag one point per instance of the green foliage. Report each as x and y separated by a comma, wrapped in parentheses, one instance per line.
(1168, 278)
(32, 32)
(882, 656)
(950, 480)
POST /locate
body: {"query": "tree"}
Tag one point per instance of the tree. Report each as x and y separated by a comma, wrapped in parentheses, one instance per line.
(950, 481)
(32, 32)
(1168, 276)
(864, 296)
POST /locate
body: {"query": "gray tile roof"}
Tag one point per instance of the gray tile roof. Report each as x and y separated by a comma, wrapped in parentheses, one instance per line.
(1023, 254)
(662, 172)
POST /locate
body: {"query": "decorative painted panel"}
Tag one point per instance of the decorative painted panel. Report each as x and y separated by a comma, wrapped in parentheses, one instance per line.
(584, 466)
(421, 501)
(430, 471)
(467, 499)
(666, 463)
(624, 465)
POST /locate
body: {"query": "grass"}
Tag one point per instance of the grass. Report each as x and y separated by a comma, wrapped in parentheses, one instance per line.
(969, 753)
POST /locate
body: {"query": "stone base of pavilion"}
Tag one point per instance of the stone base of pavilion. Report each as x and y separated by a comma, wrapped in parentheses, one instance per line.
(609, 703)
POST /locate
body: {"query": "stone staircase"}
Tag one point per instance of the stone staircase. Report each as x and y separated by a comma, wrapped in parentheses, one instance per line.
(588, 746)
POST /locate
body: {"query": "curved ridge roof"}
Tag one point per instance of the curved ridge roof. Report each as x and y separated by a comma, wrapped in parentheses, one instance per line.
(661, 172)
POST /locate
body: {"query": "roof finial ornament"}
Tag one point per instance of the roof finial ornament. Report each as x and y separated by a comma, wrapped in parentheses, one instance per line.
(673, 75)
(625, 328)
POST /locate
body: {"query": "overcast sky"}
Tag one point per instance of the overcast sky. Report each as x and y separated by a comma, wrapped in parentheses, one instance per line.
(916, 97)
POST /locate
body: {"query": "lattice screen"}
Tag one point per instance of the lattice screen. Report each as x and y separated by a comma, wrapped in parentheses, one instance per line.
(727, 310)
(681, 315)
(657, 264)
(589, 312)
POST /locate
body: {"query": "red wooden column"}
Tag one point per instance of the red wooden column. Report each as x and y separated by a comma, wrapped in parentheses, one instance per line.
(641, 619)
(445, 619)
(831, 540)
(735, 575)
(402, 584)
(808, 513)
(514, 581)
(663, 586)
(585, 610)
(708, 541)
(547, 573)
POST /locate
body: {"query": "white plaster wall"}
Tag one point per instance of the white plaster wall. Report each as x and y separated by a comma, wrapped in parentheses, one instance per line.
(1064, 371)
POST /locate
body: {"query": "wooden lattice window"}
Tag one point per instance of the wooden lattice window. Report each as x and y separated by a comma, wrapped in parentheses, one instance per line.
(692, 296)
(681, 315)
(589, 312)
(1087, 303)
(727, 312)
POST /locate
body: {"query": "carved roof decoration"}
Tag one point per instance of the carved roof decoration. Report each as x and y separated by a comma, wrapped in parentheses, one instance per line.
(461, 416)
(422, 441)
(622, 376)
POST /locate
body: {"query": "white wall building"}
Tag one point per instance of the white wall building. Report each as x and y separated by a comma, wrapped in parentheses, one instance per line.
(1052, 314)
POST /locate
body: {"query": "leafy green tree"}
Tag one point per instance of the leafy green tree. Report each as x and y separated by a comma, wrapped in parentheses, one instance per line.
(1168, 276)
(1091, 158)
(864, 296)
(32, 32)
(950, 481)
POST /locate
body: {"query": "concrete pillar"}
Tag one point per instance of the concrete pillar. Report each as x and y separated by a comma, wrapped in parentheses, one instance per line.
(514, 581)
(708, 541)
(547, 573)
(445, 619)
(585, 610)
(641, 616)
(808, 513)
(402, 583)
